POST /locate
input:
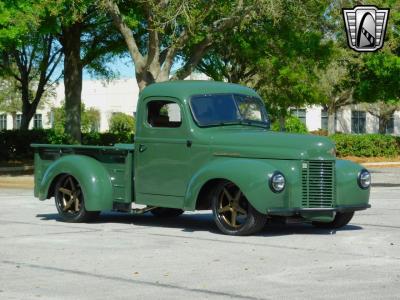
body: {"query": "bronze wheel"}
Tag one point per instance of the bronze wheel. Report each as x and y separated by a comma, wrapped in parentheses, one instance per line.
(69, 200)
(233, 213)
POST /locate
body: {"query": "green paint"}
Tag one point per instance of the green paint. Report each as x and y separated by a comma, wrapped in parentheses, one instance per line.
(170, 166)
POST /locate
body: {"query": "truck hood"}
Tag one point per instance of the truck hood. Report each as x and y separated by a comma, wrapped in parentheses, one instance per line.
(262, 143)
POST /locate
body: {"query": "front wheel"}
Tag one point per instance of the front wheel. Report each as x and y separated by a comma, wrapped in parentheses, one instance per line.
(233, 213)
(69, 201)
(340, 220)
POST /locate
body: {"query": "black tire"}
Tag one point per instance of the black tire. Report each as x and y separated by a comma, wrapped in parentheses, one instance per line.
(340, 220)
(164, 212)
(233, 213)
(70, 201)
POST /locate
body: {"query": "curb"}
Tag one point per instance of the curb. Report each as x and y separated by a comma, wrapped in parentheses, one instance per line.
(382, 164)
(16, 169)
(22, 181)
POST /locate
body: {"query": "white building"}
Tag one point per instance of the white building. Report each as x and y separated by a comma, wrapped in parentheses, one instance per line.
(108, 98)
(116, 96)
(350, 119)
(122, 95)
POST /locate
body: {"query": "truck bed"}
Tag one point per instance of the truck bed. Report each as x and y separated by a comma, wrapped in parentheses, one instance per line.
(117, 160)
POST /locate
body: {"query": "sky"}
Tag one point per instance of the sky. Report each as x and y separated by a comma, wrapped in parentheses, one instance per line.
(123, 68)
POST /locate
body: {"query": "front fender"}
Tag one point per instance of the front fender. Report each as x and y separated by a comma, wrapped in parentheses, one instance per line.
(92, 176)
(347, 190)
(250, 175)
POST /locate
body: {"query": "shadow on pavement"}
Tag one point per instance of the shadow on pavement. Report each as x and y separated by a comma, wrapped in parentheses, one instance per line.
(201, 222)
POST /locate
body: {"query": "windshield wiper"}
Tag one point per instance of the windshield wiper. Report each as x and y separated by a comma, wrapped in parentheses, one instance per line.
(238, 122)
(251, 123)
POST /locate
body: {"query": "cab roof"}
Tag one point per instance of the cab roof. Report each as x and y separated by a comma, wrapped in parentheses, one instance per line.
(183, 89)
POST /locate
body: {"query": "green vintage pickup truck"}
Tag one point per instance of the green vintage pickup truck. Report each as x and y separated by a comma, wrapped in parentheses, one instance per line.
(203, 145)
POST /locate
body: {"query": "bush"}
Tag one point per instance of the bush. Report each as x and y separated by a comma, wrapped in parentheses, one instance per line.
(90, 119)
(15, 144)
(292, 124)
(106, 138)
(122, 123)
(366, 145)
(321, 132)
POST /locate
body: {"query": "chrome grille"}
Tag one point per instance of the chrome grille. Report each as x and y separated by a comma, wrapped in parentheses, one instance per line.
(318, 183)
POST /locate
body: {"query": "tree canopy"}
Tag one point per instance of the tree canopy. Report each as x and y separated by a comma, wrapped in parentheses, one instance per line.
(294, 53)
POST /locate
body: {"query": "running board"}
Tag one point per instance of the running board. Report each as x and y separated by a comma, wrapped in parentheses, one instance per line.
(127, 207)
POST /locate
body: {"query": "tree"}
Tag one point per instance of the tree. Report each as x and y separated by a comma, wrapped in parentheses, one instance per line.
(158, 33)
(383, 111)
(10, 99)
(88, 40)
(379, 75)
(32, 62)
(276, 56)
(90, 119)
(287, 73)
(337, 82)
(85, 35)
(122, 123)
(292, 124)
(236, 57)
(354, 77)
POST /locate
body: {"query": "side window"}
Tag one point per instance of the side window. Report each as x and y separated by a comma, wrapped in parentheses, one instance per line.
(162, 113)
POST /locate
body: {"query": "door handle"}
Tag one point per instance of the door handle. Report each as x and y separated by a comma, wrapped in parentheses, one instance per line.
(142, 148)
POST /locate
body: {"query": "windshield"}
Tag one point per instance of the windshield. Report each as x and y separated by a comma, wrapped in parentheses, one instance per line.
(226, 109)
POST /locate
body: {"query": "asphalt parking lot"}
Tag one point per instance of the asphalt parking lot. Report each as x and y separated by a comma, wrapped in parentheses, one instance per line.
(139, 257)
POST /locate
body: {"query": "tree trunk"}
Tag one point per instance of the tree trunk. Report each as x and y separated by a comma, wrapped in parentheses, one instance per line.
(282, 121)
(331, 121)
(27, 115)
(382, 125)
(143, 79)
(27, 112)
(14, 119)
(73, 80)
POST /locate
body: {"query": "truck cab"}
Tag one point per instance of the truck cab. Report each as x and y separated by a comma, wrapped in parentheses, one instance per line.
(204, 145)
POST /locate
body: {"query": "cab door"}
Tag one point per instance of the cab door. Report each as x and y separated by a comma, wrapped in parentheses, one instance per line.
(162, 151)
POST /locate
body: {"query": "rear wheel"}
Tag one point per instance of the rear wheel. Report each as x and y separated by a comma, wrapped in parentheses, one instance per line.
(70, 201)
(164, 212)
(233, 213)
(340, 220)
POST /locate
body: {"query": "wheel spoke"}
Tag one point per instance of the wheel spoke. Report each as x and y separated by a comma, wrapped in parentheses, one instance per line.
(65, 191)
(224, 209)
(76, 203)
(241, 210)
(237, 196)
(69, 203)
(227, 194)
(233, 217)
(71, 183)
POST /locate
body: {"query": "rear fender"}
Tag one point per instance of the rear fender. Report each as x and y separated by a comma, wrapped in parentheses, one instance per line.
(250, 175)
(92, 176)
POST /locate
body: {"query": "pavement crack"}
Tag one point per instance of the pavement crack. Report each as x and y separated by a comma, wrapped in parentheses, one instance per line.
(48, 225)
(131, 281)
(279, 246)
(46, 234)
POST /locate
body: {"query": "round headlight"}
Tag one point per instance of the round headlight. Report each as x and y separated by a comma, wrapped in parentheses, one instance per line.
(277, 182)
(364, 179)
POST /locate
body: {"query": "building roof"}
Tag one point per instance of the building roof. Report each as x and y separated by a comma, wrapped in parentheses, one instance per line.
(183, 89)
